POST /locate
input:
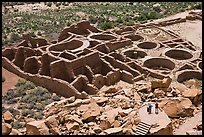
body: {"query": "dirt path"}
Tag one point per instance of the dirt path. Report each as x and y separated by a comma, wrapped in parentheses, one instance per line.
(10, 82)
(189, 124)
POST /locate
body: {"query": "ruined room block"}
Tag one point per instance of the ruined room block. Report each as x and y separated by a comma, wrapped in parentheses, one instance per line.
(127, 77)
(31, 65)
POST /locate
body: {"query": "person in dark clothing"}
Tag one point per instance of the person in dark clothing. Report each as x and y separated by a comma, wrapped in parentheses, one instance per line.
(150, 108)
(156, 108)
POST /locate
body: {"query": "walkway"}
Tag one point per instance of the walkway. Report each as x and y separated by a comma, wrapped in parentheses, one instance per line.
(161, 119)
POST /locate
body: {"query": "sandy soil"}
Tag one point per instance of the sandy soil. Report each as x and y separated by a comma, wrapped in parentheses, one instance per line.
(189, 30)
(10, 82)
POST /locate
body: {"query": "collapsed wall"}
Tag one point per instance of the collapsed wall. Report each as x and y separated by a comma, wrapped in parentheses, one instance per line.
(84, 58)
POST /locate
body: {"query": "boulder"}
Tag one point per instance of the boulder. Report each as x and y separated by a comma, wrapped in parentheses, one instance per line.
(8, 117)
(157, 83)
(37, 128)
(27, 120)
(137, 97)
(195, 95)
(72, 126)
(73, 118)
(15, 132)
(128, 92)
(111, 89)
(110, 114)
(190, 83)
(158, 93)
(104, 124)
(166, 82)
(127, 131)
(55, 131)
(97, 129)
(121, 97)
(199, 125)
(100, 100)
(112, 131)
(71, 99)
(125, 112)
(116, 123)
(180, 87)
(6, 128)
(90, 111)
(176, 107)
(51, 122)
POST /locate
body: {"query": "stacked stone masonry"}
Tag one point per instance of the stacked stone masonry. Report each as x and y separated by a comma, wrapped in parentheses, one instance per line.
(84, 58)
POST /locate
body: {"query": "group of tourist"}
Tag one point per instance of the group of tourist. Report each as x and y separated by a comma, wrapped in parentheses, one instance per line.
(150, 106)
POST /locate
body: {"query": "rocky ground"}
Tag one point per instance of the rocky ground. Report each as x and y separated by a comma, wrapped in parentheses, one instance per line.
(114, 110)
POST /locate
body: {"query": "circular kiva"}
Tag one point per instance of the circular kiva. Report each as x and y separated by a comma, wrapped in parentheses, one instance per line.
(159, 64)
(102, 37)
(134, 37)
(135, 54)
(73, 46)
(178, 54)
(199, 65)
(147, 45)
(189, 74)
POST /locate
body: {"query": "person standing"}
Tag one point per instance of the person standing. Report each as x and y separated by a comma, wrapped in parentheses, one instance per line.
(156, 108)
(150, 108)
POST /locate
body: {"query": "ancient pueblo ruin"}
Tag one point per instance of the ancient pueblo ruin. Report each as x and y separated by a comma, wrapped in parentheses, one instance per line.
(84, 59)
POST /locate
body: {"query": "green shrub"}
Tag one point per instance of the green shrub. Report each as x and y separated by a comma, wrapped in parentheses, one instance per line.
(106, 25)
(12, 101)
(25, 112)
(21, 106)
(22, 86)
(56, 98)
(39, 106)
(38, 115)
(30, 106)
(49, 4)
(92, 19)
(31, 114)
(46, 96)
(16, 125)
(48, 101)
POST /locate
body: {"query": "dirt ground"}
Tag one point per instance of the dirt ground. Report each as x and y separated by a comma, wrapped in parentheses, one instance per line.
(189, 30)
(10, 82)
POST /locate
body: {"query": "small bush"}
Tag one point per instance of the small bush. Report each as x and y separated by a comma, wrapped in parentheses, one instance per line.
(92, 19)
(46, 96)
(16, 125)
(49, 4)
(31, 114)
(56, 98)
(106, 25)
(38, 115)
(30, 106)
(49, 101)
(21, 106)
(25, 112)
(39, 106)
(12, 101)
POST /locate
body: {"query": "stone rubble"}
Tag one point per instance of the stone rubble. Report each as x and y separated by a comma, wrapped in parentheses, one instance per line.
(93, 103)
